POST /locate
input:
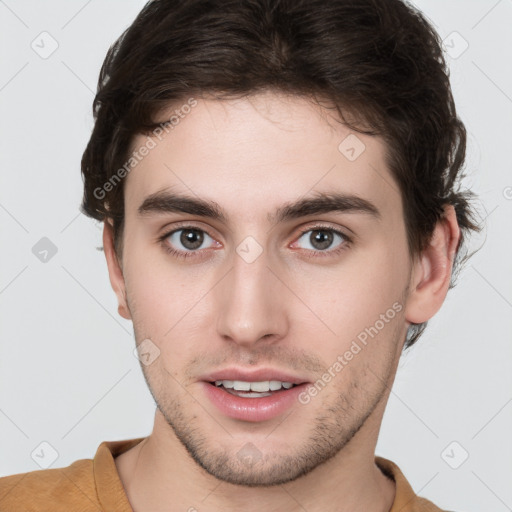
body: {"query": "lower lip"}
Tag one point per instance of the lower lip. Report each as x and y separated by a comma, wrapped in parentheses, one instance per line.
(252, 409)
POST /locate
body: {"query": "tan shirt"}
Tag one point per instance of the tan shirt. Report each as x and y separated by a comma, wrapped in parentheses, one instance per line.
(90, 485)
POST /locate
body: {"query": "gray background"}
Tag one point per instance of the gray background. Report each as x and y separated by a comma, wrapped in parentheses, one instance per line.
(68, 376)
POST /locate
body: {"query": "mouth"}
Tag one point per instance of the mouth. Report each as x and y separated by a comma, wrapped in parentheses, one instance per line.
(254, 389)
(253, 400)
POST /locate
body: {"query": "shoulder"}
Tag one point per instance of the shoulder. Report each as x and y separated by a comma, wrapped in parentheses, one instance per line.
(406, 500)
(424, 505)
(56, 490)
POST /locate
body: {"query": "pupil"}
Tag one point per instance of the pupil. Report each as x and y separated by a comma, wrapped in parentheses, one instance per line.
(321, 239)
(191, 238)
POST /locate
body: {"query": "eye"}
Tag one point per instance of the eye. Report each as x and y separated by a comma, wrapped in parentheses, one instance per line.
(186, 240)
(320, 239)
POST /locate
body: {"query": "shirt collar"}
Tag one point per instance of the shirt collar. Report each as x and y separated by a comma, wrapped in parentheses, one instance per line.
(112, 495)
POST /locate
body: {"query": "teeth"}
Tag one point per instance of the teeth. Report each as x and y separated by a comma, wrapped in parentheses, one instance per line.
(226, 383)
(240, 385)
(260, 387)
(275, 385)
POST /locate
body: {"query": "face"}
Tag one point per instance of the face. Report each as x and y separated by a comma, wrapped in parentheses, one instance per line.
(296, 270)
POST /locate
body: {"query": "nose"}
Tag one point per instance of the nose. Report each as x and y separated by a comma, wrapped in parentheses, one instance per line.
(252, 303)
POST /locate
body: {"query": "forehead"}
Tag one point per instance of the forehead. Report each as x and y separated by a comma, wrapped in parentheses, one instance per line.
(258, 152)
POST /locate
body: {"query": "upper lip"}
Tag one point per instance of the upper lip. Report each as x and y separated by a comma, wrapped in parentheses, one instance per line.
(260, 375)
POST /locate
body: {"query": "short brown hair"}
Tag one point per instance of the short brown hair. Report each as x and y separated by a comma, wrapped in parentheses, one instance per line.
(380, 63)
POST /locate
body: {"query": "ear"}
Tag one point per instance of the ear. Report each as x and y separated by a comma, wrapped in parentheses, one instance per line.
(115, 271)
(432, 270)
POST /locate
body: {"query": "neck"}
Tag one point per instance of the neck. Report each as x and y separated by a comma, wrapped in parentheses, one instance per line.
(158, 474)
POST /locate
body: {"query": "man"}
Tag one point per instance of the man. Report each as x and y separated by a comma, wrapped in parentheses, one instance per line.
(278, 185)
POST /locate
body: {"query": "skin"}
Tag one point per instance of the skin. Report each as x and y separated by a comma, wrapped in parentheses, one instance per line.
(287, 310)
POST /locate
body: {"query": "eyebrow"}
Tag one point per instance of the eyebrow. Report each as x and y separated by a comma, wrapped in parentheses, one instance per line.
(163, 201)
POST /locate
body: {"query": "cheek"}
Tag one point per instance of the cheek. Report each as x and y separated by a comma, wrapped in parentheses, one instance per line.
(172, 301)
(155, 292)
(169, 299)
(351, 299)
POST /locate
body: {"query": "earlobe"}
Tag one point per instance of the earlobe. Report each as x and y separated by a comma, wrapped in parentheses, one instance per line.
(115, 271)
(432, 270)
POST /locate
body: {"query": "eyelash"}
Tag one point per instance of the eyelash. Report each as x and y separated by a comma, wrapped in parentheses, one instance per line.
(316, 254)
